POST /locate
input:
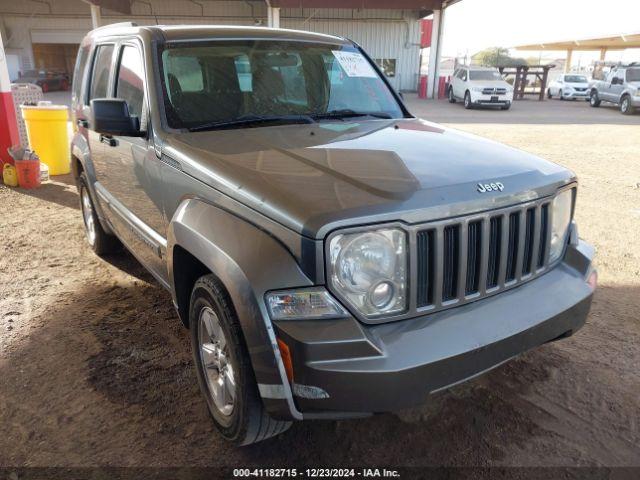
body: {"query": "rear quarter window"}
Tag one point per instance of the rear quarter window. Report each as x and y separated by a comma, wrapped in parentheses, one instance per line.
(78, 73)
(101, 72)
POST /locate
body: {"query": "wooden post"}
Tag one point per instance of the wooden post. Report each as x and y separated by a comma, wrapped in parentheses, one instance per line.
(543, 83)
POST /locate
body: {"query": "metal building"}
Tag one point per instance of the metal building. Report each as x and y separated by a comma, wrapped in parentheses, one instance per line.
(44, 34)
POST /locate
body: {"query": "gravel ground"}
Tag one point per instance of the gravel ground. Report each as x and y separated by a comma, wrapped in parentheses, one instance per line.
(95, 368)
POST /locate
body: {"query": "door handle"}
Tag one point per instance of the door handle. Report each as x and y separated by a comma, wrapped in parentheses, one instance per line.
(112, 142)
(82, 123)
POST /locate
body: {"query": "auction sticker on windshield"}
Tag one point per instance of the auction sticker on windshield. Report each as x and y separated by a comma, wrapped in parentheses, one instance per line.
(354, 64)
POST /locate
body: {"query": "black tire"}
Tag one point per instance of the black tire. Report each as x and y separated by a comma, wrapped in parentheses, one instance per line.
(248, 422)
(467, 100)
(452, 99)
(100, 241)
(505, 107)
(594, 100)
(549, 96)
(625, 105)
(560, 95)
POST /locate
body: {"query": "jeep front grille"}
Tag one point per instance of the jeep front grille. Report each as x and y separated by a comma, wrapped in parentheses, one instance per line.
(463, 259)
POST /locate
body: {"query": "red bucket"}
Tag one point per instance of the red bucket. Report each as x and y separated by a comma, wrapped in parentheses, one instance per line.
(28, 173)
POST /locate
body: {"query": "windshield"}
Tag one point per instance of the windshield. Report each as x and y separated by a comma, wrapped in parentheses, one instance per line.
(226, 83)
(575, 79)
(484, 75)
(633, 75)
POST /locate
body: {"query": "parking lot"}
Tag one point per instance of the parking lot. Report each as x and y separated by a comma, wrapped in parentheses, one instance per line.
(96, 368)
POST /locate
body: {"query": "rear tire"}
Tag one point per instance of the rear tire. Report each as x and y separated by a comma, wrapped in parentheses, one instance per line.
(549, 96)
(625, 106)
(594, 100)
(452, 99)
(100, 241)
(560, 95)
(467, 100)
(225, 376)
(505, 107)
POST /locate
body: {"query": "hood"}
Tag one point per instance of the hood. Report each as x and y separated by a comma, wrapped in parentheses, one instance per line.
(313, 178)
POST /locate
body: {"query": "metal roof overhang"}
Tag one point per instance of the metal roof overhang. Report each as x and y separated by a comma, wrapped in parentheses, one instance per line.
(615, 42)
(124, 6)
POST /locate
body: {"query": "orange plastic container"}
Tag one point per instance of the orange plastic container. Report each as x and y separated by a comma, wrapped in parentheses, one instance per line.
(28, 173)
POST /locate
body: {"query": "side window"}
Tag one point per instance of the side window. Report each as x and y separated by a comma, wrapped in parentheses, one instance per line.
(243, 67)
(464, 75)
(78, 72)
(101, 70)
(130, 81)
(183, 73)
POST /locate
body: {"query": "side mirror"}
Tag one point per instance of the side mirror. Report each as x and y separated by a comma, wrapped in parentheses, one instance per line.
(110, 116)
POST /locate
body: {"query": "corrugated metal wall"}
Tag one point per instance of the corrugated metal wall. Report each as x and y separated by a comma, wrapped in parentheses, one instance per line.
(391, 34)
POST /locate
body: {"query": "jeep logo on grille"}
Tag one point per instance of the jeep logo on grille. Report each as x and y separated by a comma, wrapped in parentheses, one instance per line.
(490, 187)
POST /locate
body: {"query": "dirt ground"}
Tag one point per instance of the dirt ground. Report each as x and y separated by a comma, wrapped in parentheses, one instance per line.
(95, 368)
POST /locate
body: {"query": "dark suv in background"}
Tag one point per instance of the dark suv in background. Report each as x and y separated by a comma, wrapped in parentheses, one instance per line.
(332, 255)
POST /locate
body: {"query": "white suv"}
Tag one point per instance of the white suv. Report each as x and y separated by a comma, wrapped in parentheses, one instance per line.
(569, 86)
(480, 86)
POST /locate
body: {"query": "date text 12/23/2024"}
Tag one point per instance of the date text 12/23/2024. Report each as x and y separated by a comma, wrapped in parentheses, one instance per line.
(315, 473)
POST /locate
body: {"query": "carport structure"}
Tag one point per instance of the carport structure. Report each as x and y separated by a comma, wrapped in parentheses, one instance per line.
(601, 44)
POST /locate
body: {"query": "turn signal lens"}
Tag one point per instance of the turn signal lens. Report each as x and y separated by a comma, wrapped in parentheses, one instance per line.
(304, 304)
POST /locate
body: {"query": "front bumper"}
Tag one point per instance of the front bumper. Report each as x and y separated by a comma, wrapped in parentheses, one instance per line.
(575, 94)
(478, 98)
(343, 367)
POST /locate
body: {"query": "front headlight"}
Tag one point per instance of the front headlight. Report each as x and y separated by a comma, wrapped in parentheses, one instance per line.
(477, 89)
(560, 220)
(368, 270)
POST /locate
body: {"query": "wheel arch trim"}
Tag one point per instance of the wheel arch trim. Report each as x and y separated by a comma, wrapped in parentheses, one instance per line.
(248, 262)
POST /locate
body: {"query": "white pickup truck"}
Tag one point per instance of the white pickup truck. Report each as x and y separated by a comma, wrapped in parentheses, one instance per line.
(621, 86)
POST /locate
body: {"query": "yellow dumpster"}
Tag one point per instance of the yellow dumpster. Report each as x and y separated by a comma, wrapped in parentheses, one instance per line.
(48, 136)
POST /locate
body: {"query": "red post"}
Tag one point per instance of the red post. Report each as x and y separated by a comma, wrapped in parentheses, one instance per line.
(422, 89)
(8, 126)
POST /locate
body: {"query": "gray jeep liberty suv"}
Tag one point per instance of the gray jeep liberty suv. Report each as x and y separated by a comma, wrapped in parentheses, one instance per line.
(332, 255)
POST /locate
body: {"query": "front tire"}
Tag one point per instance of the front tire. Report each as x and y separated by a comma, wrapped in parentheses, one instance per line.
(223, 367)
(506, 107)
(594, 100)
(625, 106)
(560, 95)
(100, 241)
(467, 100)
(549, 96)
(452, 99)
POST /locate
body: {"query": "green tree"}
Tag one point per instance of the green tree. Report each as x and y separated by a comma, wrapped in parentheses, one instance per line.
(495, 56)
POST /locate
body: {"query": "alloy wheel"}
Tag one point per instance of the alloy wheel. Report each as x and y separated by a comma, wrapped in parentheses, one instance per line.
(88, 216)
(216, 362)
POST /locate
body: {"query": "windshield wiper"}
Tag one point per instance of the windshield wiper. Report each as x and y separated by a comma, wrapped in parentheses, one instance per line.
(253, 120)
(347, 113)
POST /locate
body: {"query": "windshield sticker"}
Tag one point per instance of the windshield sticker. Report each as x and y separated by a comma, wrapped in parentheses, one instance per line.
(354, 64)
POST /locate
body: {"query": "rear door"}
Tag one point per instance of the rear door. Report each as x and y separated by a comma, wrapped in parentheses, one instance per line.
(98, 87)
(132, 169)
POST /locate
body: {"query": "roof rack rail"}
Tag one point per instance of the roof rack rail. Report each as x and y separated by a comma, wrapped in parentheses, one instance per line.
(117, 25)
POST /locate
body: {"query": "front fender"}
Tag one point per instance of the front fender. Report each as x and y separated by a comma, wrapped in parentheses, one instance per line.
(249, 262)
